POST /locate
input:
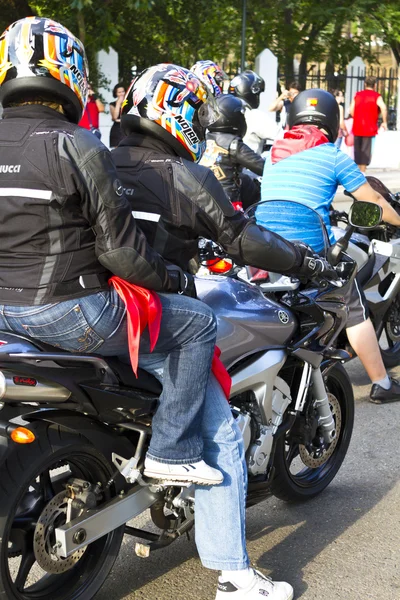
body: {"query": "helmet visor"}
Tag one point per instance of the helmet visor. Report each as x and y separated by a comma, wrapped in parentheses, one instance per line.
(208, 112)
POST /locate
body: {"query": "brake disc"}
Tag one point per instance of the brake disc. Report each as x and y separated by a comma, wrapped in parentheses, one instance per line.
(319, 456)
(44, 542)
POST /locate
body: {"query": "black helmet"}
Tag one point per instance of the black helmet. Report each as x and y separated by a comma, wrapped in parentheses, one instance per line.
(316, 107)
(42, 58)
(248, 86)
(231, 119)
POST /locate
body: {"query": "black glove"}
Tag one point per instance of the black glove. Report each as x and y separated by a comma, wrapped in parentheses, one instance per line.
(314, 266)
(181, 282)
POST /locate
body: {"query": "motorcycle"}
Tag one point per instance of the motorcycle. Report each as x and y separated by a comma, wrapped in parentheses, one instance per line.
(383, 232)
(377, 253)
(76, 429)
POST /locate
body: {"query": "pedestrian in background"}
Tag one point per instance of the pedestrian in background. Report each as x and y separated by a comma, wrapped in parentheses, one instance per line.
(284, 100)
(365, 111)
(116, 133)
(90, 118)
(342, 126)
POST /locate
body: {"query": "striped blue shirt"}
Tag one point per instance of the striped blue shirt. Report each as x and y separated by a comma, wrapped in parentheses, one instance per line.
(310, 177)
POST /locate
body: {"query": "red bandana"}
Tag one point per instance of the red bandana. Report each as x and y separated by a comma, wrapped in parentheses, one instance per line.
(297, 139)
(143, 309)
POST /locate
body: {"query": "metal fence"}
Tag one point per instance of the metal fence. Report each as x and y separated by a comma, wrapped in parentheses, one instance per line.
(353, 80)
(349, 82)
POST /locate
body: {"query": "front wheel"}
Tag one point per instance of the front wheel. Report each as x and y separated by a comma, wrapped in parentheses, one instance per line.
(305, 468)
(389, 340)
(32, 500)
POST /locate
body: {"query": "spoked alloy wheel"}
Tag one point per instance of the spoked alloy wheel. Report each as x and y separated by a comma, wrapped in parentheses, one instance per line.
(32, 499)
(389, 340)
(305, 470)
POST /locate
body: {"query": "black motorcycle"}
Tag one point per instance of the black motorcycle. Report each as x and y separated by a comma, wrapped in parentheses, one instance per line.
(377, 253)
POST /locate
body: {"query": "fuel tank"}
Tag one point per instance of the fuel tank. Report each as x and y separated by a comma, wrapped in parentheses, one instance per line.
(247, 321)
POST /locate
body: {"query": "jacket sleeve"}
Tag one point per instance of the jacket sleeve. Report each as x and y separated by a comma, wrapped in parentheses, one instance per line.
(245, 241)
(121, 246)
(246, 157)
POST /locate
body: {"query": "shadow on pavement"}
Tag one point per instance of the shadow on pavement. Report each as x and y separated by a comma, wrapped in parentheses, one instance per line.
(319, 523)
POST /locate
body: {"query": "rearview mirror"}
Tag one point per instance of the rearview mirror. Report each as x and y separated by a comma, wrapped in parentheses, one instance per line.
(365, 214)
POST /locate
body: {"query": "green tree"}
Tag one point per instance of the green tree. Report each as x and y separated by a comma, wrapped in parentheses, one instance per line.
(145, 32)
(384, 22)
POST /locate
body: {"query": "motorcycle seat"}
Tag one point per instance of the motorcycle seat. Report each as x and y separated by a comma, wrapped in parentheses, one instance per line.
(13, 343)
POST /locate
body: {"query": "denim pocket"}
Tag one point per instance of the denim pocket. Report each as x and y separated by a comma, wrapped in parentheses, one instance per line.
(69, 331)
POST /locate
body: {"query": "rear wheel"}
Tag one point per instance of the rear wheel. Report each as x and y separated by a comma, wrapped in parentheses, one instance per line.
(304, 464)
(32, 499)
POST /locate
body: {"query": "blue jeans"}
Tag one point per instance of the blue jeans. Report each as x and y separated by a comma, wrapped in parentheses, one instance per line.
(220, 509)
(220, 516)
(97, 323)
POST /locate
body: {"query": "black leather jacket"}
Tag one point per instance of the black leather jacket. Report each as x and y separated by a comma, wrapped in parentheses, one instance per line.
(65, 221)
(177, 201)
(227, 155)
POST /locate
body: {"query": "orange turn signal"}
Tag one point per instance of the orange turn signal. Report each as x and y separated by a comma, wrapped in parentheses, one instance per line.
(22, 435)
(219, 266)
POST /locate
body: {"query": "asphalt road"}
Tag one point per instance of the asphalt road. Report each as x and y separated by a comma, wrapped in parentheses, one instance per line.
(343, 545)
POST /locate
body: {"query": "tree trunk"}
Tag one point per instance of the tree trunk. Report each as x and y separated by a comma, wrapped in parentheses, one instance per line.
(80, 19)
(395, 46)
(288, 50)
(307, 48)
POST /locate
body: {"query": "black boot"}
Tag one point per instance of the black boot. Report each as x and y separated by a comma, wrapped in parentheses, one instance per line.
(381, 396)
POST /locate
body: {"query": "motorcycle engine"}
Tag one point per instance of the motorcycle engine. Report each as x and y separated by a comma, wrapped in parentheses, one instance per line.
(259, 452)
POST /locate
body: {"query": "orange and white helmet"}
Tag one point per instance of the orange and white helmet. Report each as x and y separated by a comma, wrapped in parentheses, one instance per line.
(211, 75)
(41, 58)
(169, 102)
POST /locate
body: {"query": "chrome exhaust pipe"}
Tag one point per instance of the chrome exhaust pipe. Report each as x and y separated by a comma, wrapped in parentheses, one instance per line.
(23, 388)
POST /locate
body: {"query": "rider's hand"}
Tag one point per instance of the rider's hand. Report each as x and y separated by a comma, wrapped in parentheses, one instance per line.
(181, 282)
(314, 266)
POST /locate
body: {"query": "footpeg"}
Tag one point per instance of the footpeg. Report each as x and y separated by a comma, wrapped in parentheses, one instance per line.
(166, 483)
(128, 468)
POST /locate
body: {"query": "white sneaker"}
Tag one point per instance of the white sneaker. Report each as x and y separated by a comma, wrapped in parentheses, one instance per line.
(198, 472)
(259, 588)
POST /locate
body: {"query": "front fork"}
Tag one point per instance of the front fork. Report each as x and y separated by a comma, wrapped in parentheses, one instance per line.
(321, 403)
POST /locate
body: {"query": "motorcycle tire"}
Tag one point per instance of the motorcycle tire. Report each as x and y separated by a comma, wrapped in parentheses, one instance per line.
(31, 476)
(391, 331)
(316, 471)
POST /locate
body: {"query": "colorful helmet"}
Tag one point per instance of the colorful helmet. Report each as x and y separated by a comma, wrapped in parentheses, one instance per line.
(248, 86)
(231, 119)
(316, 107)
(169, 102)
(211, 75)
(41, 58)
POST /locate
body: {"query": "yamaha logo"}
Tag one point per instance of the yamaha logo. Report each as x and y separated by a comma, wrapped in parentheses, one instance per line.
(283, 317)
